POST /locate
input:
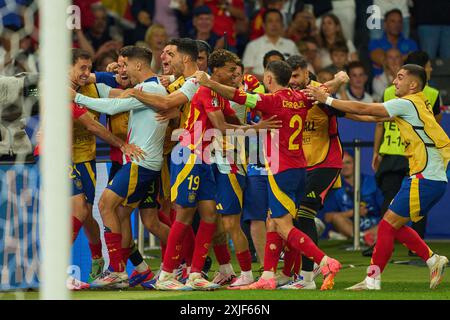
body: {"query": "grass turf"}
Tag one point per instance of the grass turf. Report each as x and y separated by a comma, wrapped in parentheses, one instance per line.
(399, 282)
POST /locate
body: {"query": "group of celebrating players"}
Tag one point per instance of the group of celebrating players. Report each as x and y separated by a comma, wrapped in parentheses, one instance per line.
(182, 144)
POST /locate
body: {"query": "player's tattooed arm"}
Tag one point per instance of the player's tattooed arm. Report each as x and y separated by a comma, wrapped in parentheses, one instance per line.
(340, 79)
(360, 108)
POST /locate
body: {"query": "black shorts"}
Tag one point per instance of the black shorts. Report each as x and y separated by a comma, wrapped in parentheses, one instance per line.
(318, 184)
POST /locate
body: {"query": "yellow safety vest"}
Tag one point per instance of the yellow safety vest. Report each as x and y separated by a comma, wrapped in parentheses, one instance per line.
(84, 143)
(392, 143)
(415, 147)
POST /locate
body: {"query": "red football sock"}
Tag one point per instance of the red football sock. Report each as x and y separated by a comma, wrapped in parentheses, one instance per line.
(163, 250)
(188, 246)
(302, 243)
(203, 239)
(290, 255)
(222, 254)
(383, 248)
(113, 242)
(175, 242)
(96, 250)
(245, 260)
(410, 238)
(274, 245)
(297, 264)
(164, 218)
(125, 255)
(76, 226)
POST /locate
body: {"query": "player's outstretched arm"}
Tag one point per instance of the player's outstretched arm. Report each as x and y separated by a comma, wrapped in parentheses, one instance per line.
(370, 109)
(225, 91)
(131, 150)
(217, 119)
(108, 106)
(158, 101)
(340, 79)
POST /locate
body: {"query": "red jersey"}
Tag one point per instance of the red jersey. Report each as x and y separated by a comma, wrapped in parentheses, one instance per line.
(77, 111)
(204, 101)
(291, 107)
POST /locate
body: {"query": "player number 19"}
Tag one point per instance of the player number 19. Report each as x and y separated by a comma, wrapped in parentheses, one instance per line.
(296, 119)
(194, 182)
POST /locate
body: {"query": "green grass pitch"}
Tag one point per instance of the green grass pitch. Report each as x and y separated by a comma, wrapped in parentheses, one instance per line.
(399, 282)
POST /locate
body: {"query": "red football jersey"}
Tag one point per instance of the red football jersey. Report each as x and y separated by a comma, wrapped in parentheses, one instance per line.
(204, 101)
(291, 107)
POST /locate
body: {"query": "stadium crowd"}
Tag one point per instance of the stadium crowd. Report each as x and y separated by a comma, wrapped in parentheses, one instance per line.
(320, 42)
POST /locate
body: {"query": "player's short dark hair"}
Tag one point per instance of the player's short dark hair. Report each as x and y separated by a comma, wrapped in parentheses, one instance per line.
(186, 46)
(387, 14)
(420, 58)
(78, 53)
(354, 65)
(272, 53)
(339, 46)
(220, 57)
(296, 62)
(135, 52)
(269, 11)
(418, 72)
(203, 46)
(281, 70)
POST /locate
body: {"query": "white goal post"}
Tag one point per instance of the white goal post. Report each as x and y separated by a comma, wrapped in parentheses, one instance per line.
(55, 150)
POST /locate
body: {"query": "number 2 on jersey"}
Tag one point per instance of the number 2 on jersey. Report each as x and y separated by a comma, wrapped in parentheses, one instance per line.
(296, 119)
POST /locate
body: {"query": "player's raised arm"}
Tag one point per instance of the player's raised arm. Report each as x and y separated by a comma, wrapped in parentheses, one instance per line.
(370, 109)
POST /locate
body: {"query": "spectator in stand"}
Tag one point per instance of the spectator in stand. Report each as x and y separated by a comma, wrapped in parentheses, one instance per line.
(271, 40)
(356, 89)
(142, 14)
(257, 23)
(345, 10)
(330, 34)
(229, 17)
(303, 25)
(433, 27)
(386, 6)
(204, 50)
(391, 66)
(98, 33)
(392, 38)
(203, 23)
(338, 208)
(105, 59)
(309, 48)
(156, 39)
(324, 76)
(339, 57)
(272, 55)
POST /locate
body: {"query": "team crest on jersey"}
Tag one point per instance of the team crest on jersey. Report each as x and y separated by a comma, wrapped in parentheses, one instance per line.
(191, 197)
(215, 102)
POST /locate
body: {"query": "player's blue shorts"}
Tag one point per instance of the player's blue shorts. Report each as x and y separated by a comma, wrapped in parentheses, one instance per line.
(256, 198)
(133, 182)
(191, 180)
(230, 191)
(84, 177)
(284, 191)
(416, 197)
(151, 198)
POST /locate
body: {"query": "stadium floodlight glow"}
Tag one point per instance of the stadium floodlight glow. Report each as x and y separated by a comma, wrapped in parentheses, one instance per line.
(55, 150)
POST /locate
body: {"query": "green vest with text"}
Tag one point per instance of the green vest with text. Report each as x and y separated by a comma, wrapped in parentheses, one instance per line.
(392, 143)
